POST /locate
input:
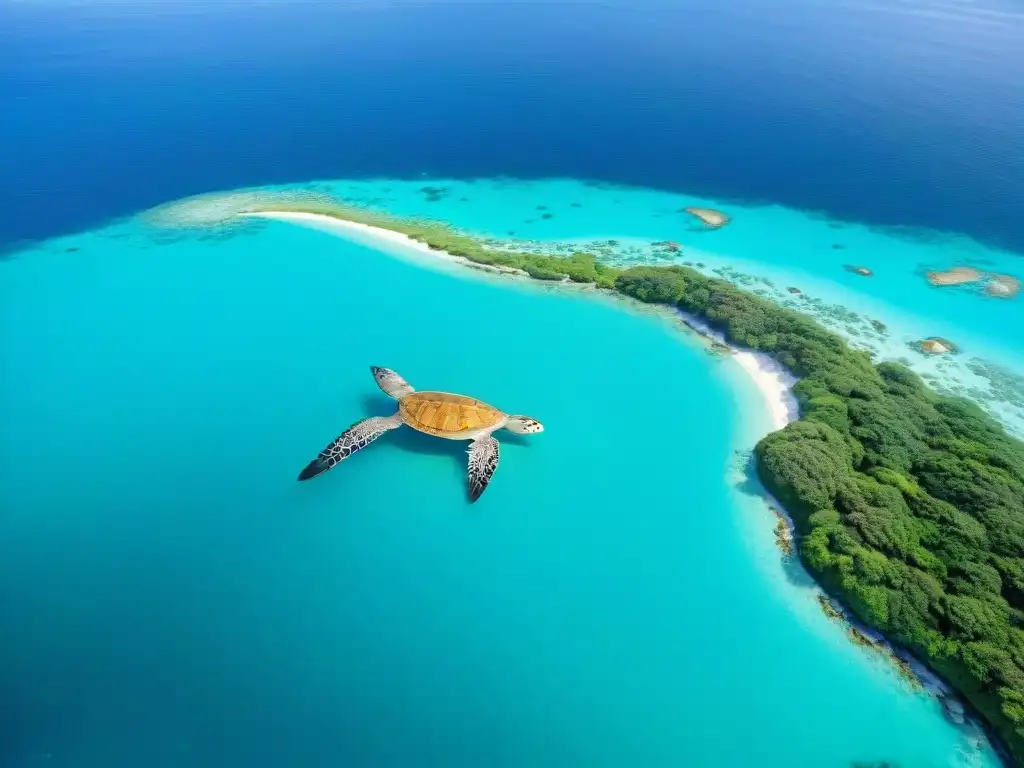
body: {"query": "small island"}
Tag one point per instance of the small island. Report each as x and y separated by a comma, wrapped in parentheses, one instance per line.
(711, 218)
(936, 345)
(993, 284)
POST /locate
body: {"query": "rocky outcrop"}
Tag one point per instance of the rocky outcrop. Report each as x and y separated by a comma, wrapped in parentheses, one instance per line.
(936, 345)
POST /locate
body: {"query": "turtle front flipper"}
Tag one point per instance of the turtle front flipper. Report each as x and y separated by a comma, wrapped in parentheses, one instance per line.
(483, 460)
(356, 437)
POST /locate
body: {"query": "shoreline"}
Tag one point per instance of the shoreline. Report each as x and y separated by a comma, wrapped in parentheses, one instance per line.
(772, 381)
(770, 378)
(377, 237)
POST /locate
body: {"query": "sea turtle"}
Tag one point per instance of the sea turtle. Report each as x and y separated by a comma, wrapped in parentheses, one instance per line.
(441, 414)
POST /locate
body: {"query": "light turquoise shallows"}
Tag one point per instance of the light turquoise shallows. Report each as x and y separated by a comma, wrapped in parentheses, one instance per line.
(612, 600)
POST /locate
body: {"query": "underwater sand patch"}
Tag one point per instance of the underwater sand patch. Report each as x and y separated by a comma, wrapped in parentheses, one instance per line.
(711, 218)
(1002, 286)
(955, 276)
(858, 270)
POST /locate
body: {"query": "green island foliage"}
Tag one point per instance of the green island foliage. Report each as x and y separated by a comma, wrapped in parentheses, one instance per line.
(440, 236)
(909, 505)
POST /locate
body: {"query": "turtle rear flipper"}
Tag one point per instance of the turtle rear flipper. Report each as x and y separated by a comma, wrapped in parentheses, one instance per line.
(353, 439)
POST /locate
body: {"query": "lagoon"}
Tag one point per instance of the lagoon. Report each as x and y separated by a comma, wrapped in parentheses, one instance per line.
(614, 598)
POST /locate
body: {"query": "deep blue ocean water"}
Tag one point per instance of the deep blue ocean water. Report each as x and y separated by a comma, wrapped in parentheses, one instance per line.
(897, 113)
(171, 596)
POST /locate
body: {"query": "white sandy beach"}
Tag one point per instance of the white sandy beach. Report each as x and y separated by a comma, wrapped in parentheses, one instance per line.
(383, 239)
(771, 379)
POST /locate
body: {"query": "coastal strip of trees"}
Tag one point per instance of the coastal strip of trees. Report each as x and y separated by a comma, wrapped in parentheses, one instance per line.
(908, 505)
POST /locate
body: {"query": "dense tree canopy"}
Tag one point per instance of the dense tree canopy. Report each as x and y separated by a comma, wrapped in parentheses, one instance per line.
(910, 505)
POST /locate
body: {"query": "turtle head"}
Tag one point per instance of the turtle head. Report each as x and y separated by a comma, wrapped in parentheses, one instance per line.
(523, 425)
(390, 382)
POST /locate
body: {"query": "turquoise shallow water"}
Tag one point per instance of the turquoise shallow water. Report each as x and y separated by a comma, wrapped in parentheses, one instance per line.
(612, 600)
(787, 246)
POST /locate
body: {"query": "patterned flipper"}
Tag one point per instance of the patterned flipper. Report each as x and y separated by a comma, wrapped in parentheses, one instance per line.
(483, 460)
(355, 438)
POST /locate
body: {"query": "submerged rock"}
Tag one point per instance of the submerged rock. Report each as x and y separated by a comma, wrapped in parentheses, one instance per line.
(784, 537)
(936, 345)
(858, 270)
(953, 710)
(830, 609)
(1002, 286)
(904, 667)
(717, 348)
(433, 194)
(859, 638)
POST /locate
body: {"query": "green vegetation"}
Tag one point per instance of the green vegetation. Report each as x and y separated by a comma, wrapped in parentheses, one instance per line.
(909, 505)
(579, 267)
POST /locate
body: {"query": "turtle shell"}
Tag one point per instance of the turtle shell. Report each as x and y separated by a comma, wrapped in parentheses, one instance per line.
(443, 414)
